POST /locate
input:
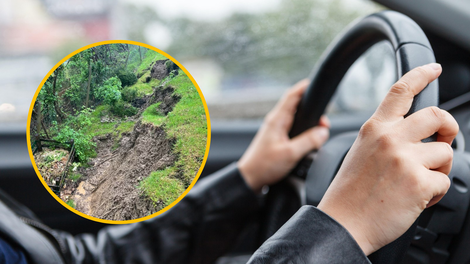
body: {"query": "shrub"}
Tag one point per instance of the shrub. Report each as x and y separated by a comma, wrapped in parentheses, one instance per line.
(129, 94)
(83, 119)
(122, 109)
(84, 146)
(110, 91)
(127, 78)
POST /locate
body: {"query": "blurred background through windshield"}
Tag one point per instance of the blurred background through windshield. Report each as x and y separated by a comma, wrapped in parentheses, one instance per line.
(242, 53)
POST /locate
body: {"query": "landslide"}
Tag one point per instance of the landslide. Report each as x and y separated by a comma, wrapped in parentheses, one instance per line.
(109, 190)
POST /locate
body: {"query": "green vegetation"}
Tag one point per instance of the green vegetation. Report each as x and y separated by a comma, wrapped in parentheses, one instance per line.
(142, 88)
(82, 91)
(187, 123)
(74, 176)
(161, 188)
(110, 92)
(71, 203)
(150, 57)
(127, 78)
(54, 157)
(151, 115)
(84, 146)
(91, 98)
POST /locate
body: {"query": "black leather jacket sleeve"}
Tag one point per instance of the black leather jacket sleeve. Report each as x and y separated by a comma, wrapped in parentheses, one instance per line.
(310, 236)
(199, 229)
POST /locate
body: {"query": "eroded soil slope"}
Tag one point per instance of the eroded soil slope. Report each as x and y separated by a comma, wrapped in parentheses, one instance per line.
(110, 191)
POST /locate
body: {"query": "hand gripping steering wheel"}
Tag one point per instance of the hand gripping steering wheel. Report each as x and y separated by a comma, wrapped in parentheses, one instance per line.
(412, 49)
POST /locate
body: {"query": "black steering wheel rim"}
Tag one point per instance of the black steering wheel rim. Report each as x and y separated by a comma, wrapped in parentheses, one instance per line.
(410, 44)
(412, 49)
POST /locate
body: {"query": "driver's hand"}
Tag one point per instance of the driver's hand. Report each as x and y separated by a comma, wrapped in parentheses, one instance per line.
(272, 154)
(389, 176)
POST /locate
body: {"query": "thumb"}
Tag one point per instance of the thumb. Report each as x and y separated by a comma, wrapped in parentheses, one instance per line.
(309, 140)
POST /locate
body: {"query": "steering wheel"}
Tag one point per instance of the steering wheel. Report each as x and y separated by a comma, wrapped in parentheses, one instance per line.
(432, 233)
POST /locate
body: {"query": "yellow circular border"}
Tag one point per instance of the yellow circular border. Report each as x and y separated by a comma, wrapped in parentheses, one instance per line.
(28, 136)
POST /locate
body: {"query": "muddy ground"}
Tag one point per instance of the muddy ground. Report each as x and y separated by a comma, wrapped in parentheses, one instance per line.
(109, 187)
(110, 192)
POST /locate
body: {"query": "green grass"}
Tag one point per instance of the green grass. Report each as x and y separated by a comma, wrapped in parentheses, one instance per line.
(144, 88)
(125, 127)
(101, 111)
(74, 176)
(71, 203)
(151, 115)
(162, 188)
(96, 128)
(187, 123)
(150, 57)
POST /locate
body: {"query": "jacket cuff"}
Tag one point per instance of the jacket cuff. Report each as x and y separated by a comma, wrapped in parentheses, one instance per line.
(310, 236)
(226, 188)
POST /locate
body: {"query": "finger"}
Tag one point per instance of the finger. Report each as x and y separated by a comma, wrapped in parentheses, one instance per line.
(398, 100)
(286, 107)
(436, 156)
(428, 121)
(308, 141)
(438, 183)
(324, 121)
(291, 98)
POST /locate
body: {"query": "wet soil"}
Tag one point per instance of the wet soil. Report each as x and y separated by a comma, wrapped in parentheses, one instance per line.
(110, 191)
(109, 188)
(163, 68)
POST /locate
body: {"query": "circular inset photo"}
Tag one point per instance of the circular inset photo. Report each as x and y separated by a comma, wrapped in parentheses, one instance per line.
(118, 131)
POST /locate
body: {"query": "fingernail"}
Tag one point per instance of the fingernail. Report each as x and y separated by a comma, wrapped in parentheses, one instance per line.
(322, 133)
(435, 66)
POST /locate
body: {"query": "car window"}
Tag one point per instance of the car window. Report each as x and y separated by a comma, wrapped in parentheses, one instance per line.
(244, 54)
(366, 82)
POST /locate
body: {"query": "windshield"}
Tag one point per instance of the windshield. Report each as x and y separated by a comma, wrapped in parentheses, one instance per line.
(243, 54)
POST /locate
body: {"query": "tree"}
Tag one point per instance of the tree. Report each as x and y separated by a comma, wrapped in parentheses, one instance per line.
(127, 58)
(88, 85)
(60, 114)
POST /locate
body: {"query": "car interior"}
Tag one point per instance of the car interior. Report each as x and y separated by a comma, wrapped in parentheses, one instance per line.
(442, 233)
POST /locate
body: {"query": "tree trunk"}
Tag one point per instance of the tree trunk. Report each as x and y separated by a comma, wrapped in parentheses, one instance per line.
(108, 54)
(37, 111)
(40, 120)
(60, 115)
(88, 85)
(128, 53)
(45, 128)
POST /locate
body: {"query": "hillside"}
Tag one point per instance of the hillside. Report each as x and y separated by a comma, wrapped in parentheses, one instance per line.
(135, 154)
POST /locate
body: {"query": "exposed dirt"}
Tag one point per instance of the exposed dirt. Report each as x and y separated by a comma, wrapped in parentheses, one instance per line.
(110, 191)
(163, 68)
(159, 70)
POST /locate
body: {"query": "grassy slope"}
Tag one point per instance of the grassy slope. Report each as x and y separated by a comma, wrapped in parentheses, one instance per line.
(187, 123)
(143, 70)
